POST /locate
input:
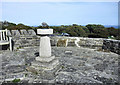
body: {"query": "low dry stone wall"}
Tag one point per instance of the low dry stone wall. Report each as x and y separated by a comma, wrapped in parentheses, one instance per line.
(25, 41)
(26, 38)
(21, 32)
(77, 41)
(112, 45)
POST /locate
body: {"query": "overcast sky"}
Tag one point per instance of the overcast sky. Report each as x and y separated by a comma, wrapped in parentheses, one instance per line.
(57, 13)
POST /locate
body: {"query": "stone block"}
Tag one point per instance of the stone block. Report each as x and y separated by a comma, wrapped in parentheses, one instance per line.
(112, 45)
(24, 32)
(9, 33)
(45, 66)
(53, 42)
(31, 32)
(62, 43)
(45, 59)
(71, 43)
(44, 31)
(15, 33)
(45, 47)
(68, 52)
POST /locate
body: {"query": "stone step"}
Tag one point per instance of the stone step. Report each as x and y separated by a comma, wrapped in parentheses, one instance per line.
(10, 77)
(14, 69)
(45, 66)
(45, 73)
(45, 59)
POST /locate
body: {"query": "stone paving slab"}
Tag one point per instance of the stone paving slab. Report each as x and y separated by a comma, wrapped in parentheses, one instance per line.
(81, 65)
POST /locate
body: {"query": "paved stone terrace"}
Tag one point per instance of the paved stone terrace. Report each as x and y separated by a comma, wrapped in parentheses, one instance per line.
(78, 65)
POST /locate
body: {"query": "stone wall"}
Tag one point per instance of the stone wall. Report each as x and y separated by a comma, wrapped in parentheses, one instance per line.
(23, 38)
(112, 45)
(77, 41)
(26, 38)
(25, 41)
(21, 32)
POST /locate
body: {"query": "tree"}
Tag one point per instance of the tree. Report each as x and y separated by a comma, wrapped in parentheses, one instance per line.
(112, 31)
(74, 25)
(75, 31)
(93, 27)
(45, 25)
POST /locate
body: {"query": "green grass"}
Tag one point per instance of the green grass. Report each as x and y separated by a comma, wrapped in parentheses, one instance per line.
(16, 80)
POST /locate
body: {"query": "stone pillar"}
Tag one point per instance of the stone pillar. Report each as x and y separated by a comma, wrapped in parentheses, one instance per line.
(45, 47)
(45, 64)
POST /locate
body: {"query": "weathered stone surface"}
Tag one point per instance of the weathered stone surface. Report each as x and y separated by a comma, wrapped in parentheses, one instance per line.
(84, 65)
(24, 32)
(15, 33)
(62, 43)
(31, 32)
(112, 45)
(90, 42)
(71, 44)
(11, 77)
(20, 41)
(46, 66)
(53, 42)
(96, 43)
(45, 47)
(9, 33)
(45, 59)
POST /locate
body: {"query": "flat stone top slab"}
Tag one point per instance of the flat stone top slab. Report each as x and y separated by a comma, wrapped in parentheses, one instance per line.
(44, 31)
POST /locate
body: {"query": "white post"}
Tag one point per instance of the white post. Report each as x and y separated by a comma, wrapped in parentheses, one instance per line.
(6, 34)
(1, 36)
(10, 39)
(45, 47)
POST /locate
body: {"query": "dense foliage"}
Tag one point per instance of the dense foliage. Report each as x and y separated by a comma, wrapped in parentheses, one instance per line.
(90, 30)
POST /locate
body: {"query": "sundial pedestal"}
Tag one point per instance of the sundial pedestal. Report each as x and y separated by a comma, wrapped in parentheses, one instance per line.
(45, 64)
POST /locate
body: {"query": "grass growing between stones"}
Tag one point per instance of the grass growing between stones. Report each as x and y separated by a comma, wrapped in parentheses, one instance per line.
(19, 47)
(16, 80)
(62, 67)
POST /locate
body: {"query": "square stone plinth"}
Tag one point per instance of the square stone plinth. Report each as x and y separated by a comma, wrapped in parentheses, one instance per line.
(46, 69)
(45, 65)
(45, 59)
